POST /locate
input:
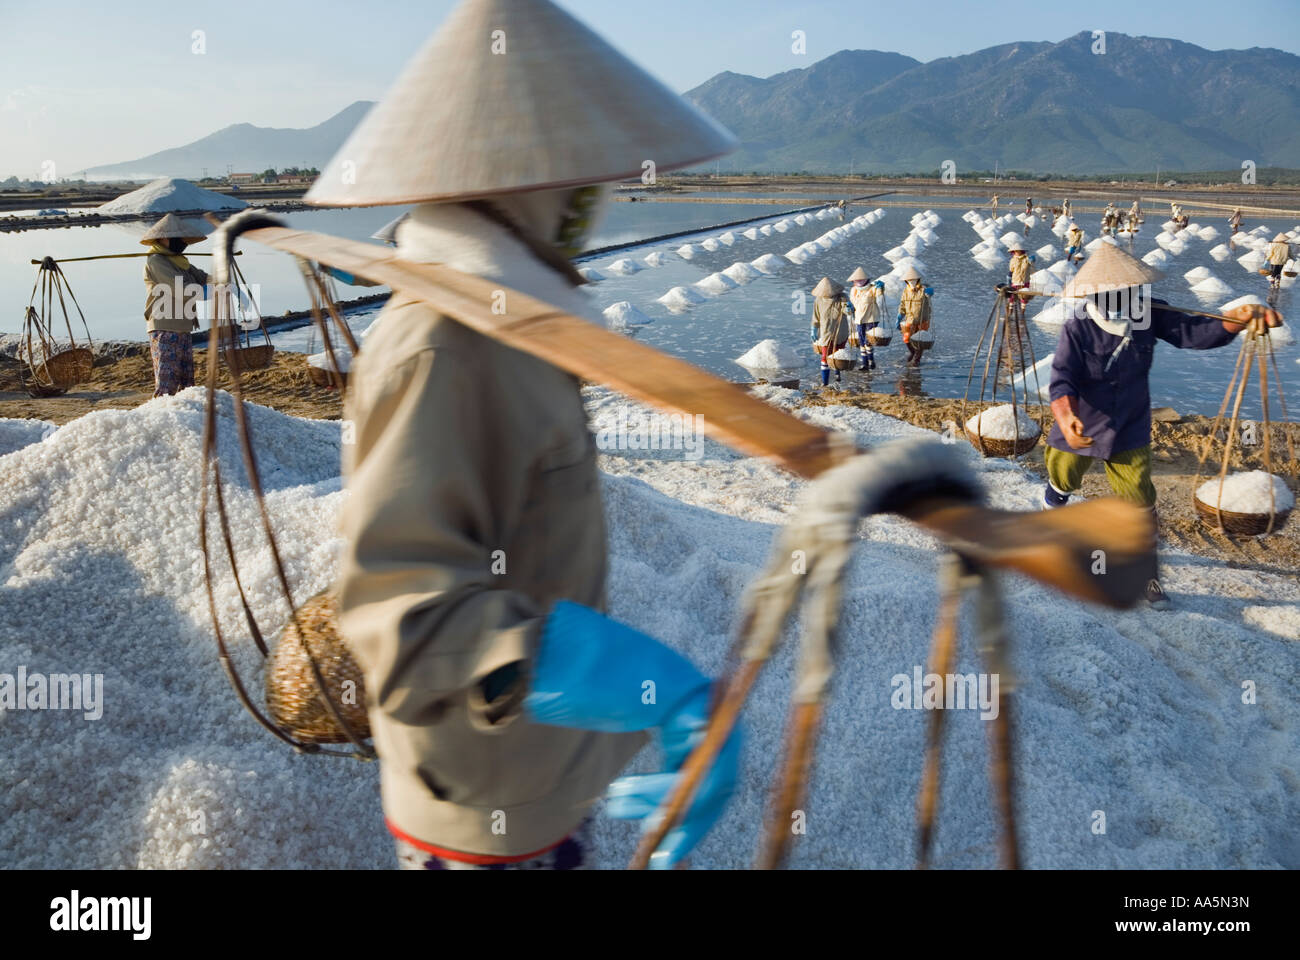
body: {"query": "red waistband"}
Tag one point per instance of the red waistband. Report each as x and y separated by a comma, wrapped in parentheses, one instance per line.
(461, 856)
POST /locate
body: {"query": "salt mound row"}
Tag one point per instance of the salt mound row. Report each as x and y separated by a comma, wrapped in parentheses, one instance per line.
(16, 434)
(624, 314)
(1247, 493)
(769, 263)
(656, 259)
(590, 274)
(169, 194)
(1003, 422)
(716, 283)
(678, 298)
(769, 355)
(742, 272)
(624, 266)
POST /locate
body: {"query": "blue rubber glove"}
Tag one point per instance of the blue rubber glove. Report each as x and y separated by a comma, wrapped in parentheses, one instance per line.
(593, 673)
(1033, 258)
(880, 284)
(898, 322)
(929, 291)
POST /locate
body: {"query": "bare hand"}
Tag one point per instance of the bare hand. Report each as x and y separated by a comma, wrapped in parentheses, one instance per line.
(1072, 429)
(1256, 317)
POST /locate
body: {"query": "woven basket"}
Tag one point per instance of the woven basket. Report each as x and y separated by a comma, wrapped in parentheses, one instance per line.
(323, 378)
(838, 363)
(1241, 524)
(1288, 273)
(878, 339)
(921, 345)
(990, 447)
(292, 698)
(59, 373)
(252, 358)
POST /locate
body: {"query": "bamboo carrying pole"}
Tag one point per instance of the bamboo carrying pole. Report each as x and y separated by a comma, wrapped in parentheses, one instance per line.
(119, 256)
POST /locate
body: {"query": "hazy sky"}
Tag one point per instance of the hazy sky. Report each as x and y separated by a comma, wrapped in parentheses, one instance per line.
(83, 83)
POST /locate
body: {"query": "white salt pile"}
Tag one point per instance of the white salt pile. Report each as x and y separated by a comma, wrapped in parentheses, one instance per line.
(624, 314)
(167, 194)
(769, 263)
(1156, 258)
(1005, 422)
(894, 253)
(1247, 493)
(742, 272)
(845, 354)
(1177, 247)
(1211, 287)
(765, 230)
(624, 266)
(710, 244)
(1198, 273)
(1247, 300)
(1253, 260)
(802, 219)
(1062, 269)
(752, 233)
(102, 575)
(990, 258)
(1208, 233)
(798, 255)
(656, 259)
(1221, 252)
(1047, 253)
(591, 275)
(679, 298)
(16, 433)
(687, 251)
(342, 360)
(727, 239)
(769, 355)
(923, 336)
(782, 226)
(1036, 382)
(716, 283)
(1045, 281)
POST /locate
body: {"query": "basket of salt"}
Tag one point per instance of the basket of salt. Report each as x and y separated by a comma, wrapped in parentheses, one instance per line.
(256, 357)
(879, 335)
(1247, 504)
(322, 371)
(1003, 431)
(293, 699)
(842, 359)
(59, 373)
(922, 340)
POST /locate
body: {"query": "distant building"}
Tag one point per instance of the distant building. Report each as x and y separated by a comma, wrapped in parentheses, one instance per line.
(243, 177)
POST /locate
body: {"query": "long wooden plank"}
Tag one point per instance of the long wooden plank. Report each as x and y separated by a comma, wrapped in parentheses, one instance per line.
(1057, 548)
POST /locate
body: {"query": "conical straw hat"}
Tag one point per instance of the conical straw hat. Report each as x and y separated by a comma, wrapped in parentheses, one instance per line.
(1280, 238)
(910, 273)
(1109, 268)
(173, 226)
(388, 232)
(1013, 241)
(827, 288)
(514, 95)
(859, 274)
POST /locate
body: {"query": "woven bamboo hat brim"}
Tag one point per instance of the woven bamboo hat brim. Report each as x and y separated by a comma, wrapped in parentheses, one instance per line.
(508, 96)
(827, 288)
(172, 226)
(910, 273)
(1109, 268)
(859, 274)
(1280, 238)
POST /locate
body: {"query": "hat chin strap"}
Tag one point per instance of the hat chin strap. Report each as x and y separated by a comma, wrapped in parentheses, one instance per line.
(545, 252)
(1113, 323)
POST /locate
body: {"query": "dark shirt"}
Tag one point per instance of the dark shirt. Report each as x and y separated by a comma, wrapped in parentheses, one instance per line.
(1115, 405)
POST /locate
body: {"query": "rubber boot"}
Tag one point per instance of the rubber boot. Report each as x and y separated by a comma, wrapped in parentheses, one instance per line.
(1054, 499)
(826, 374)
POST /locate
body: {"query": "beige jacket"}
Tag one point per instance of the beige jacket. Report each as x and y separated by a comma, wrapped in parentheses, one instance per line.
(473, 503)
(914, 305)
(831, 314)
(866, 303)
(165, 308)
(1019, 268)
(1279, 252)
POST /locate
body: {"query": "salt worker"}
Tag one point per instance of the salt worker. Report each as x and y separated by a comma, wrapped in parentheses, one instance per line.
(1065, 208)
(1279, 252)
(174, 288)
(993, 203)
(1234, 221)
(866, 298)
(503, 701)
(913, 312)
(1100, 397)
(1020, 265)
(1134, 215)
(830, 325)
(1073, 242)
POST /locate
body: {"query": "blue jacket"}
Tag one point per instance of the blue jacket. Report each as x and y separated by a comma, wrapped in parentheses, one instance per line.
(1115, 405)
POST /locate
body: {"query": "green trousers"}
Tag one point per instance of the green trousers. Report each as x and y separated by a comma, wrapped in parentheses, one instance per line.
(1128, 473)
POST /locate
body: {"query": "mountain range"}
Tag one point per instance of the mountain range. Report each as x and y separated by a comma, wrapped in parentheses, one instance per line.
(1039, 107)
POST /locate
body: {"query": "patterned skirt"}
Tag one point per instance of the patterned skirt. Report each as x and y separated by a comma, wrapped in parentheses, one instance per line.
(569, 854)
(173, 361)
